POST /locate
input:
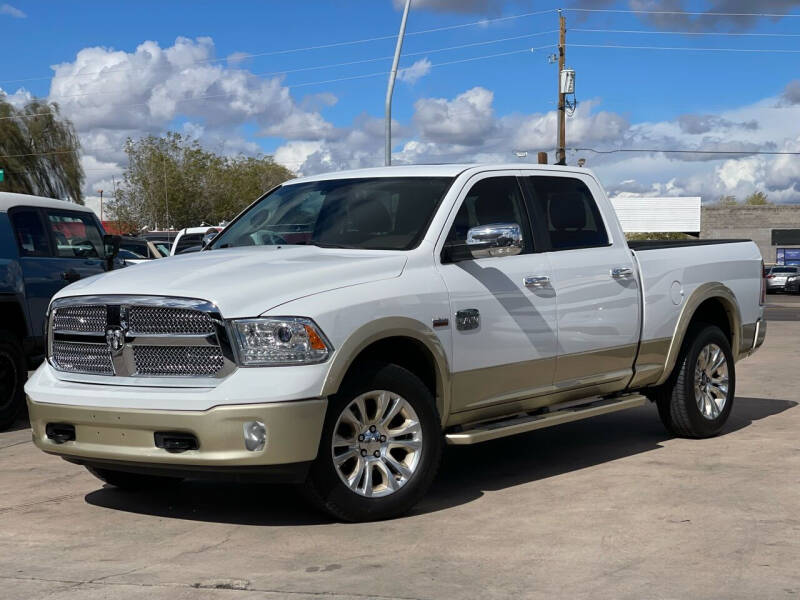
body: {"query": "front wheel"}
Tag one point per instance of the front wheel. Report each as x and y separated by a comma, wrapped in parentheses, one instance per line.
(698, 399)
(381, 445)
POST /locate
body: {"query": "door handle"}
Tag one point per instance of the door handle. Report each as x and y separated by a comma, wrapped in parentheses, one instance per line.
(621, 272)
(70, 276)
(537, 281)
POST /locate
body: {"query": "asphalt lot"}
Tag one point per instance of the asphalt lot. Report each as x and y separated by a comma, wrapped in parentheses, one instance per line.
(611, 507)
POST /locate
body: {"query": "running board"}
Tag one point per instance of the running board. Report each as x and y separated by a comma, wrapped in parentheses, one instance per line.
(483, 432)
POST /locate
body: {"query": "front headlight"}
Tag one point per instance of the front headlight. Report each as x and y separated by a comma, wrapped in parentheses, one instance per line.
(274, 341)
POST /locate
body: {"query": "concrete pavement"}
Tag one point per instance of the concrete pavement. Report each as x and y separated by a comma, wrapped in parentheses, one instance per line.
(611, 507)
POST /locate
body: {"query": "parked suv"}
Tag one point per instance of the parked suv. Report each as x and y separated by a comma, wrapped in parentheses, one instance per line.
(44, 245)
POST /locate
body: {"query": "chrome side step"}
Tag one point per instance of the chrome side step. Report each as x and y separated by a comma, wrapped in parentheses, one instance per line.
(483, 432)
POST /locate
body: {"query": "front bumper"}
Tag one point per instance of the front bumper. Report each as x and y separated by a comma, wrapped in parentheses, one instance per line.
(127, 436)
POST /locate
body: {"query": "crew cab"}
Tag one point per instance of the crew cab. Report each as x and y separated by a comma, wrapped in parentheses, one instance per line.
(345, 326)
(44, 245)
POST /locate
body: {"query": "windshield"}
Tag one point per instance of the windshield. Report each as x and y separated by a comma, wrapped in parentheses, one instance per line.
(386, 213)
(791, 270)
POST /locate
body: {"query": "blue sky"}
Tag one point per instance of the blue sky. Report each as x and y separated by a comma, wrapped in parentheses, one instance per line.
(478, 109)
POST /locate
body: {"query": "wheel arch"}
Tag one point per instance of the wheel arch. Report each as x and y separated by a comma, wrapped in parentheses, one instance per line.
(403, 341)
(712, 303)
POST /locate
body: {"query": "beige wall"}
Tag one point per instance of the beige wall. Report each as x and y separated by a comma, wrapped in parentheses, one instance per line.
(751, 222)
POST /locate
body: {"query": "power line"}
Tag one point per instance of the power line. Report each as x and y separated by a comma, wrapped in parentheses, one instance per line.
(688, 48)
(245, 56)
(716, 33)
(682, 151)
(681, 12)
(352, 62)
(310, 83)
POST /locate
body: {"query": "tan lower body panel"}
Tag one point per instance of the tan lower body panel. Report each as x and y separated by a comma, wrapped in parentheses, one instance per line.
(115, 434)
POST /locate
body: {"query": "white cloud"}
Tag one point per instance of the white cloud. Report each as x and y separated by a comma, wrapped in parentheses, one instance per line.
(18, 99)
(467, 119)
(12, 11)
(415, 72)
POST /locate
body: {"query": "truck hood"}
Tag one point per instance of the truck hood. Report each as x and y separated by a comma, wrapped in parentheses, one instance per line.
(246, 282)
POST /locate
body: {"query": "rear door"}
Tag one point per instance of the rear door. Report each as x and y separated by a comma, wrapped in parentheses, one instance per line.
(77, 244)
(504, 331)
(594, 279)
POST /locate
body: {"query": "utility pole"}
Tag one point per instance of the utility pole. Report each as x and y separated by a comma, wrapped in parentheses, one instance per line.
(166, 193)
(390, 88)
(561, 153)
(101, 204)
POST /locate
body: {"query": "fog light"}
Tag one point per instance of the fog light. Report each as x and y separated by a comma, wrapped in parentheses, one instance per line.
(255, 436)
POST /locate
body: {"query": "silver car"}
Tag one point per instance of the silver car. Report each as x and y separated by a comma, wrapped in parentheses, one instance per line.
(777, 276)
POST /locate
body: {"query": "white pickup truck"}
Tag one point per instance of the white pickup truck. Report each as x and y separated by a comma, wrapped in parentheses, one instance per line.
(345, 326)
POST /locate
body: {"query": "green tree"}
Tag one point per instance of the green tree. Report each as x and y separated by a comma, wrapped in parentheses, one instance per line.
(172, 181)
(39, 152)
(757, 199)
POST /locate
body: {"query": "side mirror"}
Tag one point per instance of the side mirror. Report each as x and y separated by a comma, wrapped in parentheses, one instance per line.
(497, 239)
(111, 249)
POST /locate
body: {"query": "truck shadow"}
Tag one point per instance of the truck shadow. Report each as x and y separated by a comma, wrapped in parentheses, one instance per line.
(466, 473)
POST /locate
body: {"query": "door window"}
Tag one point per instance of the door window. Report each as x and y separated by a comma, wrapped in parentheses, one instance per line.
(30, 233)
(75, 235)
(570, 212)
(493, 200)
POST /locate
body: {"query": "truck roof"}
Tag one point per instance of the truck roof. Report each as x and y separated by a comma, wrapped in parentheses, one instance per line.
(10, 200)
(443, 170)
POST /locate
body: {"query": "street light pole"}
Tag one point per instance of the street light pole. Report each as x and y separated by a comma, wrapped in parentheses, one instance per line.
(101, 204)
(390, 88)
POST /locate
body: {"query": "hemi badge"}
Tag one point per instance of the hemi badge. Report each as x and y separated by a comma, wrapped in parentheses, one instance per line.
(441, 322)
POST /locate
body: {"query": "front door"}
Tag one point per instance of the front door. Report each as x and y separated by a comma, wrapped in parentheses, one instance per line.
(502, 308)
(594, 281)
(77, 244)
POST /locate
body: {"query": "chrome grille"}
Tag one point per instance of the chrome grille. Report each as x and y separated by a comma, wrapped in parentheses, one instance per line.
(83, 358)
(168, 321)
(81, 318)
(177, 360)
(139, 336)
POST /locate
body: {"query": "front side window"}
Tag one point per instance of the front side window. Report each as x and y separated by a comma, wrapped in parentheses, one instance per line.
(76, 235)
(30, 233)
(491, 201)
(134, 247)
(382, 213)
(572, 217)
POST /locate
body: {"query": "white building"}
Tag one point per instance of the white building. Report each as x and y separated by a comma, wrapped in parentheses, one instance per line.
(657, 215)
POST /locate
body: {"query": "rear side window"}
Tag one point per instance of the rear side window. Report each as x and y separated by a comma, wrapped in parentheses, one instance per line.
(75, 234)
(189, 240)
(30, 233)
(569, 211)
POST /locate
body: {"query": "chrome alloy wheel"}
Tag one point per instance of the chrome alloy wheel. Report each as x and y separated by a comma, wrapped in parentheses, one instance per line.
(377, 443)
(711, 381)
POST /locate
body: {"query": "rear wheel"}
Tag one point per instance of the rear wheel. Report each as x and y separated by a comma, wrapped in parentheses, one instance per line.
(12, 379)
(132, 481)
(698, 398)
(381, 446)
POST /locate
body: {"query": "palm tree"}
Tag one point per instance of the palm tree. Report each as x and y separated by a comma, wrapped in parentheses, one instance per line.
(39, 152)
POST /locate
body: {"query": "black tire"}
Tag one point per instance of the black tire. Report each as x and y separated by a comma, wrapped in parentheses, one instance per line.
(12, 379)
(326, 489)
(132, 481)
(676, 400)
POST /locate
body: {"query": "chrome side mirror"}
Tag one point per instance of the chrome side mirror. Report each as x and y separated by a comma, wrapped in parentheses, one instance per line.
(497, 239)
